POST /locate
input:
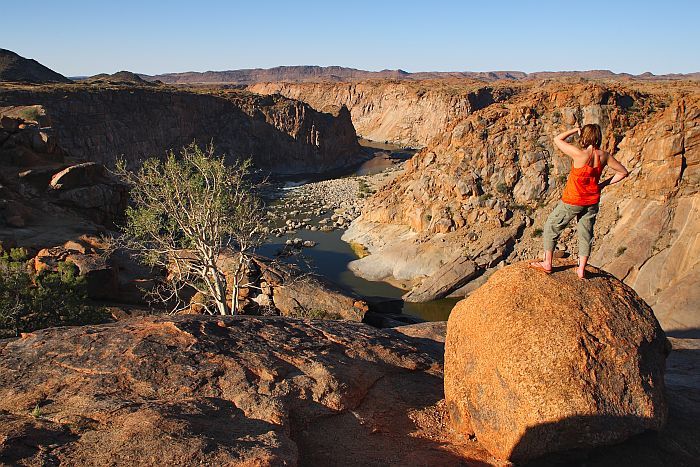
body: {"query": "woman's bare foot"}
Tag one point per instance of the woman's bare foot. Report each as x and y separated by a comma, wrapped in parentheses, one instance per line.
(542, 265)
(581, 270)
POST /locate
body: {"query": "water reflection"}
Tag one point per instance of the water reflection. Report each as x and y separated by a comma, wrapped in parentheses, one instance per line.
(330, 258)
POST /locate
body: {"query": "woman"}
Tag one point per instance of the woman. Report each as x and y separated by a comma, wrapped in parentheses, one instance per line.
(581, 194)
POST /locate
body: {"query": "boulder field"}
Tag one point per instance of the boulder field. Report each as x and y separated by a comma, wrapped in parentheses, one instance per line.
(268, 391)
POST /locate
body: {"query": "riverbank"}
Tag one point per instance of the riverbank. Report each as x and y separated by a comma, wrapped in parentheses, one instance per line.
(307, 220)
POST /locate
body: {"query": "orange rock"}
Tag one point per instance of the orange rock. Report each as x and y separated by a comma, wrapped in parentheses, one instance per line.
(537, 363)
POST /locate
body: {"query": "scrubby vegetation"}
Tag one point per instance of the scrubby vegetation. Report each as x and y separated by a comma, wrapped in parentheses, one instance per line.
(186, 212)
(30, 114)
(31, 301)
(300, 312)
(363, 189)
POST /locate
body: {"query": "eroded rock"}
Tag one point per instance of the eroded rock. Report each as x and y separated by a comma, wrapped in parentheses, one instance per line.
(233, 391)
(537, 363)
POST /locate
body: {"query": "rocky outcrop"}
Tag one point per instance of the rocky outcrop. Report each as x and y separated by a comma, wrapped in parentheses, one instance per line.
(271, 287)
(448, 278)
(294, 293)
(39, 180)
(406, 113)
(429, 265)
(265, 391)
(16, 68)
(652, 243)
(103, 123)
(537, 363)
(235, 391)
(496, 166)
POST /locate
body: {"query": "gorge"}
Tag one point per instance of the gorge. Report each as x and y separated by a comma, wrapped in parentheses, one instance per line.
(488, 170)
(313, 373)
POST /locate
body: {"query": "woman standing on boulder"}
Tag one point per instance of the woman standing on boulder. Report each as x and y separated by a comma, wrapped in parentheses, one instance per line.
(581, 194)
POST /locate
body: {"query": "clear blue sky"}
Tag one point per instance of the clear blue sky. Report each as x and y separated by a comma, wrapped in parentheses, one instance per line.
(85, 38)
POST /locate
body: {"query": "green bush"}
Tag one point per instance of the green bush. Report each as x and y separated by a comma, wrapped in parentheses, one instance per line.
(300, 312)
(502, 188)
(537, 232)
(30, 301)
(363, 189)
(30, 114)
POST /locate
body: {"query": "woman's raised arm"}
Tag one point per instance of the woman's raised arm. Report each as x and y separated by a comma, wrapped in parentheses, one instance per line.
(567, 148)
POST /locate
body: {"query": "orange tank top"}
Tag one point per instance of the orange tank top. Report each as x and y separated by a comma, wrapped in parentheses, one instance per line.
(582, 185)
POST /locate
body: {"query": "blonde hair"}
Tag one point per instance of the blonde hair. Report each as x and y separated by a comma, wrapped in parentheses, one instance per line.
(591, 135)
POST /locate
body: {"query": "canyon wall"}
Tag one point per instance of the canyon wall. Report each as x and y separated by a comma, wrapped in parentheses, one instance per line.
(401, 112)
(493, 172)
(102, 123)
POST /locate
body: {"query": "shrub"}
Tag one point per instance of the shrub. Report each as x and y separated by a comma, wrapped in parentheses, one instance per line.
(537, 232)
(363, 189)
(187, 212)
(502, 188)
(485, 196)
(300, 312)
(30, 301)
(30, 114)
(620, 250)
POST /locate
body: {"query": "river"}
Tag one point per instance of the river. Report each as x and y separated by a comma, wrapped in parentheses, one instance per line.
(331, 255)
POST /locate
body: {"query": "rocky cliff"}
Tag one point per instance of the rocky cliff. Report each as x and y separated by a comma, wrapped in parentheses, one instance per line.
(402, 112)
(102, 122)
(490, 175)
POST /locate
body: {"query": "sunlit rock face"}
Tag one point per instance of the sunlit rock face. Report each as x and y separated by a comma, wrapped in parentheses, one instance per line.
(489, 164)
(538, 363)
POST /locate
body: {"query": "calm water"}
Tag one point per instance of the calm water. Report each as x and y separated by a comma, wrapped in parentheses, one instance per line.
(330, 258)
(331, 255)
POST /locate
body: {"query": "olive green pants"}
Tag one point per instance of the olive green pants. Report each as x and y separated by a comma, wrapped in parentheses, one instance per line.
(560, 218)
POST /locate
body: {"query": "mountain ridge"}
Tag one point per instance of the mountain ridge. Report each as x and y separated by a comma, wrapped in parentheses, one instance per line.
(306, 73)
(14, 67)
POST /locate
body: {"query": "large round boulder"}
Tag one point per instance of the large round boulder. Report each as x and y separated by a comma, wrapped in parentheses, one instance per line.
(537, 364)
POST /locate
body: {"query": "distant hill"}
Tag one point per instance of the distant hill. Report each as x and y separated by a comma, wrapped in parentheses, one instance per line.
(16, 68)
(120, 77)
(305, 73)
(339, 74)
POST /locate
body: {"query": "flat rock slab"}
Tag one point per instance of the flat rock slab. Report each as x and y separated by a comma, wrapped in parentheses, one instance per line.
(194, 390)
(448, 278)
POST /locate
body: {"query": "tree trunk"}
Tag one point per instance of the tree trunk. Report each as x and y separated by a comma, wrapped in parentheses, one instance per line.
(220, 298)
(234, 297)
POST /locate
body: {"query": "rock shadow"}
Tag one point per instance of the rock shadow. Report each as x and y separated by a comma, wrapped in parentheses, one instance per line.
(397, 423)
(676, 444)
